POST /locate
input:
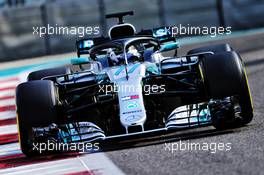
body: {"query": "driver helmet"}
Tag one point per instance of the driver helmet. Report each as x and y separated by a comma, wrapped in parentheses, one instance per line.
(133, 51)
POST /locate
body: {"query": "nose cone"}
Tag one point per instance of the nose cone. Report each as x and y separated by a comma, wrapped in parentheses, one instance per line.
(130, 96)
(132, 110)
(136, 119)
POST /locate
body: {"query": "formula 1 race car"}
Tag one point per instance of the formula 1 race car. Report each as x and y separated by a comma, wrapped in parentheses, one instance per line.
(126, 86)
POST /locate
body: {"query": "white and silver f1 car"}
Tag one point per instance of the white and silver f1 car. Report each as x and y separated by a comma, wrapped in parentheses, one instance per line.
(130, 88)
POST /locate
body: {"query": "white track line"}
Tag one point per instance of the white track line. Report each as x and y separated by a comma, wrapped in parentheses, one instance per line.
(61, 171)
(8, 129)
(84, 165)
(87, 162)
(97, 161)
(7, 115)
(60, 167)
(101, 162)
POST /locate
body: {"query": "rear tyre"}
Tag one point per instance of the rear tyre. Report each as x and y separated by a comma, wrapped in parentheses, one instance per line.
(218, 48)
(38, 75)
(225, 76)
(36, 106)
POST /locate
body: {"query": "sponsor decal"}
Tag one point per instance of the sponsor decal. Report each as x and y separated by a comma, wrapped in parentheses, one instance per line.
(132, 97)
(131, 112)
(132, 105)
(161, 32)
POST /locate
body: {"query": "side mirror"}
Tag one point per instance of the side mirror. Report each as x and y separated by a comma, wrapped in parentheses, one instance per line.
(169, 46)
(80, 60)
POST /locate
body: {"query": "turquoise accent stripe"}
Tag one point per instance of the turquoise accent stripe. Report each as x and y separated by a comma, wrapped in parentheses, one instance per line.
(119, 70)
(133, 68)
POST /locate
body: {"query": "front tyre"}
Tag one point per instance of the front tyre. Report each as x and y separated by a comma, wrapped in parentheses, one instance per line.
(225, 76)
(36, 103)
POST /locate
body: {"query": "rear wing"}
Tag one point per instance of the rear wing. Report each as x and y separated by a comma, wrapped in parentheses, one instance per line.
(163, 34)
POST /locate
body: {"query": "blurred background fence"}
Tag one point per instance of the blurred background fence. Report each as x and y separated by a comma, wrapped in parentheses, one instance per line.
(18, 17)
